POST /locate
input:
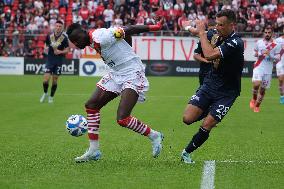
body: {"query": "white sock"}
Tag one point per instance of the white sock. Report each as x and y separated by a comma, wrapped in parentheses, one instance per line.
(153, 134)
(94, 145)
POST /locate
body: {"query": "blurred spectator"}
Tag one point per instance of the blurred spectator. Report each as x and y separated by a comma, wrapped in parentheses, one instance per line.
(29, 49)
(108, 16)
(21, 49)
(32, 27)
(117, 22)
(84, 12)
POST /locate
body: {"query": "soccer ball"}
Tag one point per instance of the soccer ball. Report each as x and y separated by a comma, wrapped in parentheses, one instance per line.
(76, 125)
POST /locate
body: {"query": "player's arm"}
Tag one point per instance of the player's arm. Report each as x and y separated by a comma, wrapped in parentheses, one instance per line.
(127, 31)
(209, 52)
(199, 58)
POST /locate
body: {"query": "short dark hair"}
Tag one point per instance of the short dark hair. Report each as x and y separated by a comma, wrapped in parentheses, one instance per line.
(230, 14)
(59, 22)
(73, 27)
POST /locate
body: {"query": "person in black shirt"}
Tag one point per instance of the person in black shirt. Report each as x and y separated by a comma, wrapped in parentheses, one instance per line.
(57, 46)
(205, 65)
(222, 85)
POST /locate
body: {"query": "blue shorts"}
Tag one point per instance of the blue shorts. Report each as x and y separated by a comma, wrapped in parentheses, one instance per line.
(217, 105)
(53, 69)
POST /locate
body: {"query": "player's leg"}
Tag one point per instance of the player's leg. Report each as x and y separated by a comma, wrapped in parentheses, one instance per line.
(129, 98)
(45, 84)
(265, 84)
(218, 109)
(197, 107)
(255, 89)
(56, 72)
(98, 100)
(281, 88)
(53, 88)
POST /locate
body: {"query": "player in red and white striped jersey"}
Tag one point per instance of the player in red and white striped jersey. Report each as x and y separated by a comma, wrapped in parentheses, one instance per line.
(280, 66)
(262, 71)
(126, 79)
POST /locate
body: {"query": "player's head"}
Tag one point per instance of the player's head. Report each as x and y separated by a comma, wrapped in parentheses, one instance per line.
(78, 36)
(225, 22)
(268, 32)
(211, 24)
(58, 27)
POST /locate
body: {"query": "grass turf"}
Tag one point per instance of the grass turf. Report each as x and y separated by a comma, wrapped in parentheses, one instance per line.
(36, 151)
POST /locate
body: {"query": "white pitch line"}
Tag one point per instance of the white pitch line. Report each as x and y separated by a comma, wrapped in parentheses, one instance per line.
(250, 161)
(208, 175)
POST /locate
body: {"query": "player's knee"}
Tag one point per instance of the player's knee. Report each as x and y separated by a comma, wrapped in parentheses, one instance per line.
(123, 122)
(187, 120)
(91, 105)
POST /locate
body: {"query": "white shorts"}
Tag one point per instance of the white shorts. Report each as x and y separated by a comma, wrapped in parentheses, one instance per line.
(128, 75)
(279, 69)
(264, 78)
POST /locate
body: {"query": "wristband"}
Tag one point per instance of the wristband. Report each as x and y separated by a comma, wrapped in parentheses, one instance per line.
(156, 27)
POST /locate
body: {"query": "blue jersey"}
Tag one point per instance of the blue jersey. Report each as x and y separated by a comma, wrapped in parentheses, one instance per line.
(204, 68)
(53, 42)
(225, 76)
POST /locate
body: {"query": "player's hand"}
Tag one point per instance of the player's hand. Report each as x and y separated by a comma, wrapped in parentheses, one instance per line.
(187, 25)
(200, 27)
(57, 52)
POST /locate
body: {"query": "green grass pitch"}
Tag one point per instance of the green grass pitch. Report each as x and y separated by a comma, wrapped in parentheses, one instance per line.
(37, 153)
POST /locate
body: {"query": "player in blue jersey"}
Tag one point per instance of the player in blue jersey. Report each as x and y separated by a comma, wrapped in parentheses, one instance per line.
(222, 85)
(56, 46)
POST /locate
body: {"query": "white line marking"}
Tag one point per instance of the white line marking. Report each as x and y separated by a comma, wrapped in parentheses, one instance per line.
(208, 175)
(250, 161)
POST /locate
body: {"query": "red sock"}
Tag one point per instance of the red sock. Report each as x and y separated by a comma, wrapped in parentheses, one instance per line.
(134, 124)
(93, 118)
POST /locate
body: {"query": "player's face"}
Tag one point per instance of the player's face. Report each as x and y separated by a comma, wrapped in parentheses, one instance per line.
(267, 34)
(223, 26)
(58, 28)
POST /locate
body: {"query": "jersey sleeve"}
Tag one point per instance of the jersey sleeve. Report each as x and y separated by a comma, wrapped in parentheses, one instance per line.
(198, 49)
(65, 42)
(231, 46)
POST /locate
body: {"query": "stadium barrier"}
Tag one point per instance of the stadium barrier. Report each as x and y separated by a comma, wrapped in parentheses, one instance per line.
(183, 68)
(96, 67)
(36, 66)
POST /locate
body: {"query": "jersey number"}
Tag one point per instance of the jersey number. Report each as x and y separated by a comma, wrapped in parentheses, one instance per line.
(222, 111)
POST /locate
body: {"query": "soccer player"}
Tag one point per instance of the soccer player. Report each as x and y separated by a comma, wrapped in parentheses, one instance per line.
(126, 79)
(280, 67)
(56, 46)
(222, 85)
(205, 65)
(262, 69)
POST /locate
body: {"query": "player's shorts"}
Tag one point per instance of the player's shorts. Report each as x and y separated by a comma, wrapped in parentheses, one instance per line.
(217, 105)
(264, 78)
(279, 69)
(130, 75)
(53, 69)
